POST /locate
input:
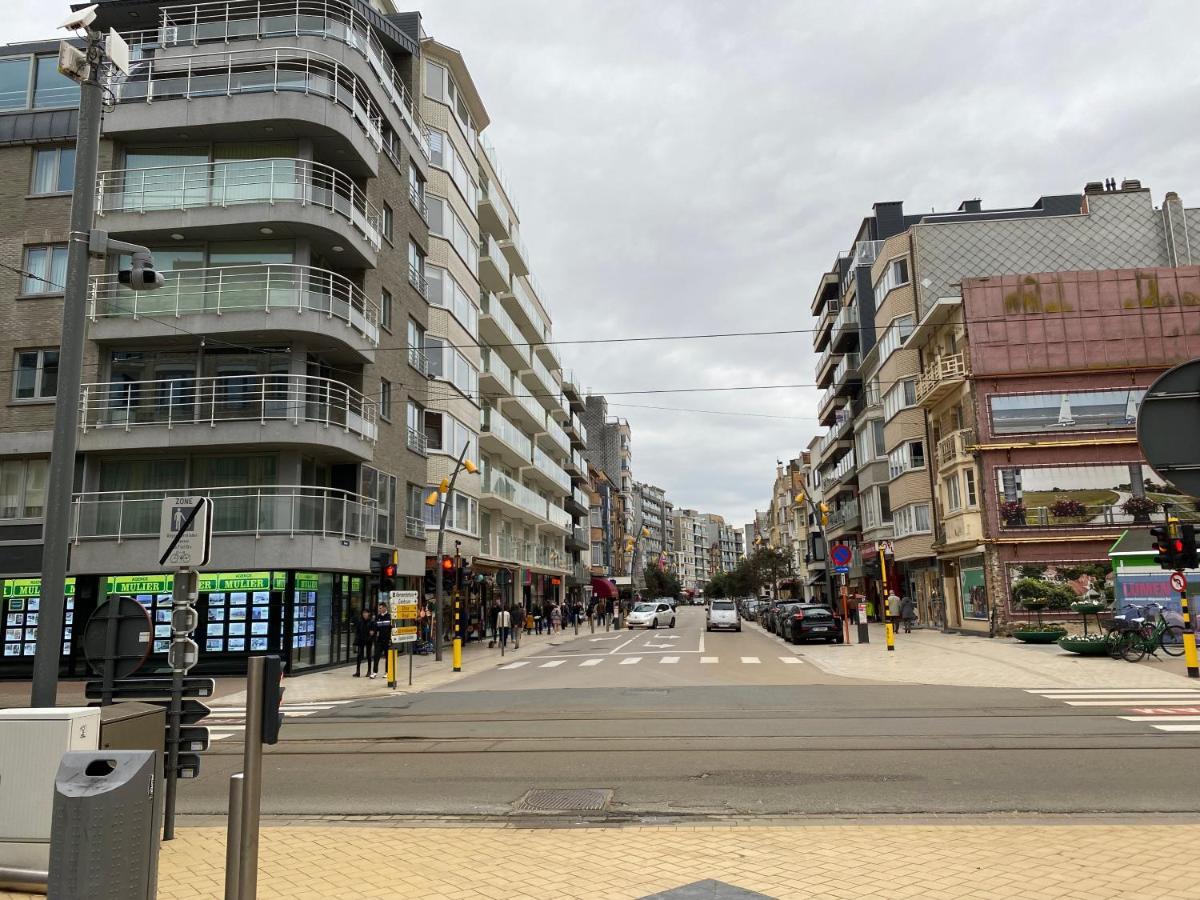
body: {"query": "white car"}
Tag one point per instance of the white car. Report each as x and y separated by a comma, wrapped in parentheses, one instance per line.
(722, 614)
(651, 615)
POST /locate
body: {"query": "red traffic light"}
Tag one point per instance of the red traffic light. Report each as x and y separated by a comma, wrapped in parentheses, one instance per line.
(389, 571)
(447, 563)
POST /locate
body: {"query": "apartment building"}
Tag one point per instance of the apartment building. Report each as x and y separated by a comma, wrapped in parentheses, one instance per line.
(652, 521)
(610, 449)
(272, 371)
(691, 550)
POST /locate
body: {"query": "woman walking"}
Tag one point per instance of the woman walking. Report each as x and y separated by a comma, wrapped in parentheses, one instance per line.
(503, 627)
(556, 617)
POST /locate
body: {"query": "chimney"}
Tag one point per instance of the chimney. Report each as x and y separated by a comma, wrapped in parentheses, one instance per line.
(1131, 184)
(1094, 187)
(971, 206)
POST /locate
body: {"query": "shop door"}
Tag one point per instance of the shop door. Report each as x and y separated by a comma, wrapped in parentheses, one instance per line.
(324, 623)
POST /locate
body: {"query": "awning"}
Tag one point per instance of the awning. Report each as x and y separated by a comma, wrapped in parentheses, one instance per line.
(603, 588)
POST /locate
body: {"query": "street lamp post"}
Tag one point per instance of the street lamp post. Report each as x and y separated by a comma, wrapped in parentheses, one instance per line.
(443, 492)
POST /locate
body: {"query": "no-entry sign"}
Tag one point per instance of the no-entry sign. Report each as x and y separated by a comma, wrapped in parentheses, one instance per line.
(1178, 581)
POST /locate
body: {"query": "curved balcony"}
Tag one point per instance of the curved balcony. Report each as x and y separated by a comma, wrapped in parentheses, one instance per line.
(188, 25)
(267, 411)
(232, 200)
(227, 93)
(254, 527)
(239, 301)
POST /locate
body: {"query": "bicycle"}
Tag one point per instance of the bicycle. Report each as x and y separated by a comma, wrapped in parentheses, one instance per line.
(1136, 636)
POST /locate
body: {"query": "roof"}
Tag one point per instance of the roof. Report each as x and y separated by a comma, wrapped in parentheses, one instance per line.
(462, 76)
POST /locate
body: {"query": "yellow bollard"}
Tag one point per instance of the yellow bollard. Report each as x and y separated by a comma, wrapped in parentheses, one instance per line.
(391, 667)
(891, 637)
(457, 636)
(1189, 634)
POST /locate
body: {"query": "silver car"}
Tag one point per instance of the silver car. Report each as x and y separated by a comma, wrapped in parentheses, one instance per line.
(722, 614)
(651, 614)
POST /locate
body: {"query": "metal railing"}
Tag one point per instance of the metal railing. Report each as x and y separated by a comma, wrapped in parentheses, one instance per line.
(253, 288)
(223, 21)
(954, 446)
(172, 402)
(950, 368)
(234, 182)
(845, 467)
(256, 509)
(417, 280)
(414, 526)
(417, 198)
(417, 441)
(841, 515)
(418, 360)
(846, 366)
(254, 71)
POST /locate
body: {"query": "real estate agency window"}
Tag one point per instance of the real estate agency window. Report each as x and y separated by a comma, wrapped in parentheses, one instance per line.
(45, 270)
(53, 170)
(35, 375)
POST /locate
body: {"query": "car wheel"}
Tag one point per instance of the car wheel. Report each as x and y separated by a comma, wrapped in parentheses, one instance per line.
(672, 625)
(738, 629)
(654, 624)
(706, 628)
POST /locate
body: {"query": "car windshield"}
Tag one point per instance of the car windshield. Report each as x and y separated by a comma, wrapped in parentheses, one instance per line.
(723, 604)
(816, 611)
(644, 607)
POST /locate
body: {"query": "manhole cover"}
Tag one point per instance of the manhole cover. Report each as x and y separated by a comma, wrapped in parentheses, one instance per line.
(563, 800)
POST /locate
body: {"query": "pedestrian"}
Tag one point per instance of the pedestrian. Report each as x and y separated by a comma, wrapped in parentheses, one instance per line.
(908, 613)
(892, 609)
(518, 625)
(383, 636)
(556, 617)
(364, 636)
(547, 607)
(503, 627)
(601, 613)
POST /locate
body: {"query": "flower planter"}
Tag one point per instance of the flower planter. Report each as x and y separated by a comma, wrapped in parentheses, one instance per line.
(1037, 637)
(1084, 647)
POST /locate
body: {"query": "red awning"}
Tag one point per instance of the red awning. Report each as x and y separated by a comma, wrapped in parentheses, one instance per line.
(604, 589)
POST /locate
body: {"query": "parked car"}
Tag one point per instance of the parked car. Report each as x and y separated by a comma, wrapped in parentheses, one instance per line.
(722, 614)
(771, 616)
(651, 614)
(811, 622)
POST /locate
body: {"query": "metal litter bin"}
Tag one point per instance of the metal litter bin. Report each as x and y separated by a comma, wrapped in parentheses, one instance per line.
(105, 832)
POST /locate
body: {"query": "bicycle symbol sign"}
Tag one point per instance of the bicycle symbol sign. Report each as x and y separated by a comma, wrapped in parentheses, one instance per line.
(1178, 581)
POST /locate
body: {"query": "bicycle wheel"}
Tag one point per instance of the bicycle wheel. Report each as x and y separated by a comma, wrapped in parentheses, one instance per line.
(1171, 640)
(1134, 647)
(1116, 643)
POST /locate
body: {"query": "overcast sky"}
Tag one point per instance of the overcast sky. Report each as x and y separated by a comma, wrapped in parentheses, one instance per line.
(690, 166)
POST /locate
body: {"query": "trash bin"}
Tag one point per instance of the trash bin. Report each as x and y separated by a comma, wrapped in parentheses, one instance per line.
(105, 831)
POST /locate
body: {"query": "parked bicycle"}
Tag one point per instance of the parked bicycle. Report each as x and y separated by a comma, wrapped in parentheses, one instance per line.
(1133, 637)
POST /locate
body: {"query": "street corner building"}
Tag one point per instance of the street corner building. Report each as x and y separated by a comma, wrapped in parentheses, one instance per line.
(348, 308)
(983, 372)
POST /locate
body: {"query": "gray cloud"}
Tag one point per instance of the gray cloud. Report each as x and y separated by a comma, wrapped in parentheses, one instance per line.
(695, 165)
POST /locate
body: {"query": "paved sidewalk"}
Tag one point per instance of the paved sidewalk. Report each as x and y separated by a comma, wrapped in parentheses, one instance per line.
(938, 862)
(927, 656)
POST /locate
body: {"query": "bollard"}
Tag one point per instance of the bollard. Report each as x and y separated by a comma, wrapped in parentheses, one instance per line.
(391, 667)
(252, 785)
(233, 837)
(891, 637)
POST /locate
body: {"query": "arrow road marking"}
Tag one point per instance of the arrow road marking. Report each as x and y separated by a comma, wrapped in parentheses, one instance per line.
(611, 637)
(660, 646)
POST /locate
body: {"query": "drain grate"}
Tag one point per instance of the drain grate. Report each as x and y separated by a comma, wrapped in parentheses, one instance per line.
(541, 800)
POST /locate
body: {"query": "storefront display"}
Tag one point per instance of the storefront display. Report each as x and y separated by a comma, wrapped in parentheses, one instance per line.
(972, 588)
(22, 609)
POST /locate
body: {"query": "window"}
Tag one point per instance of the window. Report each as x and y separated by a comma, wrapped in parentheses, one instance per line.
(23, 488)
(387, 222)
(435, 354)
(445, 291)
(916, 454)
(877, 430)
(953, 498)
(381, 487)
(52, 89)
(894, 275)
(14, 83)
(385, 309)
(1068, 411)
(45, 270)
(462, 515)
(53, 171)
(416, 268)
(912, 519)
(895, 336)
(448, 363)
(416, 189)
(437, 80)
(445, 223)
(445, 434)
(385, 399)
(902, 395)
(35, 376)
(969, 484)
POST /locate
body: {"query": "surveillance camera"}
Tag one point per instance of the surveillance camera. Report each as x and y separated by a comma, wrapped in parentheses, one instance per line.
(81, 18)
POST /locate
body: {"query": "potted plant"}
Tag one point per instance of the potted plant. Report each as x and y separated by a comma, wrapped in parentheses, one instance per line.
(1012, 512)
(1140, 508)
(1068, 509)
(1091, 603)
(1085, 644)
(1030, 633)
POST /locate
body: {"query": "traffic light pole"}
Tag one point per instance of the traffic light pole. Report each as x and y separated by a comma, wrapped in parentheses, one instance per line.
(1189, 633)
(439, 611)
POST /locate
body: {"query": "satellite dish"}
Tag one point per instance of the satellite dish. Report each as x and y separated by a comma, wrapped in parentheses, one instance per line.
(1168, 427)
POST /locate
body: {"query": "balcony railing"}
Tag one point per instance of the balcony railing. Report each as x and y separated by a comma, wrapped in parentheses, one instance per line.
(258, 510)
(521, 295)
(416, 197)
(495, 423)
(414, 526)
(254, 71)
(942, 374)
(551, 469)
(227, 289)
(844, 468)
(223, 21)
(847, 366)
(172, 402)
(490, 306)
(865, 253)
(581, 498)
(418, 360)
(500, 485)
(234, 182)
(558, 435)
(490, 252)
(418, 442)
(496, 367)
(847, 317)
(556, 515)
(841, 515)
(523, 396)
(417, 280)
(954, 446)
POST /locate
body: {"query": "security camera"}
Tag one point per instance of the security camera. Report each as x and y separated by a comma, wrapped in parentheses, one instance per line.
(81, 18)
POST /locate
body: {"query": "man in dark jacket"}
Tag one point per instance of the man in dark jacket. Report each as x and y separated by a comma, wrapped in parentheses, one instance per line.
(383, 636)
(364, 635)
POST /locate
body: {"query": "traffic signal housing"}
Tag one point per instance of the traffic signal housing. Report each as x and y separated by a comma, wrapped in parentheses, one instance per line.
(272, 709)
(387, 571)
(1189, 558)
(448, 573)
(1169, 546)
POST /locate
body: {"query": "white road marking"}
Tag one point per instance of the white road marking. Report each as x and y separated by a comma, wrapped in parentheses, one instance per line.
(702, 640)
(1161, 718)
(591, 662)
(1157, 701)
(611, 637)
(619, 646)
(750, 659)
(710, 659)
(631, 661)
(516, 665)
(1178, 728)
(1108, 696)
(791, 660)
(666, 660)
(552, 664)
(1055, 692)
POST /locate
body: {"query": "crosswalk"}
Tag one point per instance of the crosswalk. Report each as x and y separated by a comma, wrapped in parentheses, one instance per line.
(224, 722)
(637, 660)
(1174, 710)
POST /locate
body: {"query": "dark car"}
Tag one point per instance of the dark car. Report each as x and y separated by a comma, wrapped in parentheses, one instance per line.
(776, 614)
(810, 622)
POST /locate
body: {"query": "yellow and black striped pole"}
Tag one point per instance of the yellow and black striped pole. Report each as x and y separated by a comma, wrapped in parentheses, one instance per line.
(1189, 633)
(457, 632)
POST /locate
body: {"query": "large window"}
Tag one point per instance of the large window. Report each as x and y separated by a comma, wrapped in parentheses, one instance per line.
(906, 458)
(462, 516)
(446, 292)
(876, 506)
(445, 223)
(45, 270)
(895, 336)
(952, 495)
(448, 363)
(894, 275)
(902, 395)
(23, 488)
(1067, 411)
(27, 81)
(381, 487)
(445, 434)
(35, 375)
(1086, 495)
(912, 519)
(444, 156)
(53, 171)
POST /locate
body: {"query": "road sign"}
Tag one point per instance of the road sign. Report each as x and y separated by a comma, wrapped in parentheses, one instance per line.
(1168, 426)
(404, 637)
(1178, 581)
(185, 532)
(188, 765)
(134, 634)
(183, 654)
(403, 604)
(840, 555)
(139, 688)
(193, 739)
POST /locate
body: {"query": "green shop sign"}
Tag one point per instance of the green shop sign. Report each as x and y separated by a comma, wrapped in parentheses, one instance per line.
(210, 581)
(307, 581)
(32, 587)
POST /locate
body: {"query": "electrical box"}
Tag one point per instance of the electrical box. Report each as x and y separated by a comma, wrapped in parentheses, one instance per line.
(32, 743)
(133, 726)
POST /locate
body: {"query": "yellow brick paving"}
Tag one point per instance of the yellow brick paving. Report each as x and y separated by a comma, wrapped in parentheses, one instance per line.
(938, 862)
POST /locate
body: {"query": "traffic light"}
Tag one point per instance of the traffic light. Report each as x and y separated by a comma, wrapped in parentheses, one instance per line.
(272, 711)
(448, 573)
(385, 564)
(464, 575)
(1189, 558)
(1169, 545)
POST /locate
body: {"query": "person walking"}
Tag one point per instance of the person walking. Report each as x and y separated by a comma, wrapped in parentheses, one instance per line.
(383, 636)
(892, 609)
(556, 617)
(908, 613)
(364, 636)
(503, 627)
(518, 625)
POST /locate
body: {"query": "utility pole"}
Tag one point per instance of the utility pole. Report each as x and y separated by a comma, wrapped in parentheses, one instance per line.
(61, 477)
(439, 612)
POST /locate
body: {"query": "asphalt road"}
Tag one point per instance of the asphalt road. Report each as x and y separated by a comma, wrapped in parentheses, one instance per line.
(677, 721)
